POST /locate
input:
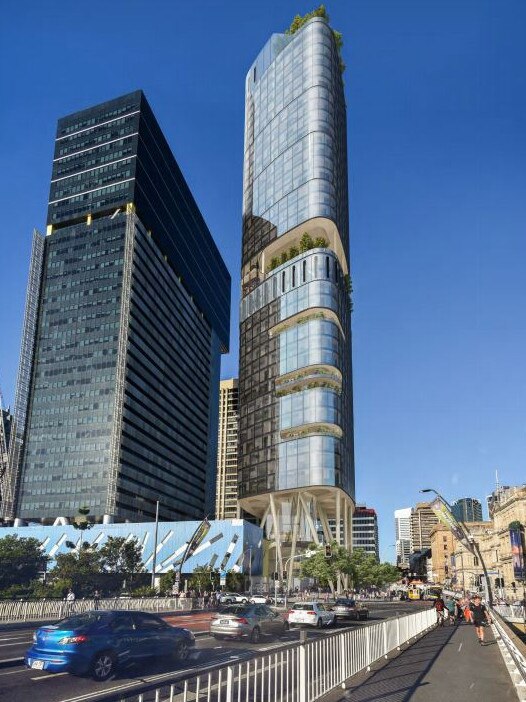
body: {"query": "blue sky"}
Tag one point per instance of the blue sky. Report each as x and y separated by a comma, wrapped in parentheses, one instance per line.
(436, 95)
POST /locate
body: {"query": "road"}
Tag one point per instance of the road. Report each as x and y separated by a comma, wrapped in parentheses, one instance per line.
(20, 685)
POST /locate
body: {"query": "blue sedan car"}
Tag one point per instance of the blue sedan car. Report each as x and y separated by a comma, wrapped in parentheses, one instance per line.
(98, 642)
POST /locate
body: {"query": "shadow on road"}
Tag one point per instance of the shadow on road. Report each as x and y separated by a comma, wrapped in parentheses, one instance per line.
(398, 680)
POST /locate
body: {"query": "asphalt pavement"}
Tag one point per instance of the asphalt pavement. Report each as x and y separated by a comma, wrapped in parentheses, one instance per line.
(20, 685)
(446, 664)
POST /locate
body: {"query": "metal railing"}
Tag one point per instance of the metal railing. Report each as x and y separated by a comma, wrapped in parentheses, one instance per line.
(514, 653)
(36, 610)
(510, 612)
(301, 672)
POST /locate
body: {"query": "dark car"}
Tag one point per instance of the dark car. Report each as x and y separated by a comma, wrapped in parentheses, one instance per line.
(98, 642)
(345, 608)
(251, 620)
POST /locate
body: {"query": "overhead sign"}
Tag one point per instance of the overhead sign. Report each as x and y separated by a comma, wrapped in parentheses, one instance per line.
(446, 517)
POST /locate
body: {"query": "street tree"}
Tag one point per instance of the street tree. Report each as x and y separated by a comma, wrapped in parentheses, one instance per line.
(366, 571)
(121, 555)
(78, 567)
(326, 569)
(21, 560)
(203, 578)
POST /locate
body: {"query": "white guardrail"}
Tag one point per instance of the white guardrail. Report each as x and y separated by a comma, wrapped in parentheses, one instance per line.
(514, 657)
(45, 610)
(511, 612)
(302, 672)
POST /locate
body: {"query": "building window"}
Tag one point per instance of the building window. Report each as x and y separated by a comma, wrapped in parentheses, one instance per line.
(304, 271)
(293, 276)
(475, 561)
(327, 267)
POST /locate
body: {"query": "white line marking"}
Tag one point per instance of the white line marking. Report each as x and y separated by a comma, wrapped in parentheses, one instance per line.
(471, 686)
(15, 643)
(14, 672)
(460, 646)
(49, 676)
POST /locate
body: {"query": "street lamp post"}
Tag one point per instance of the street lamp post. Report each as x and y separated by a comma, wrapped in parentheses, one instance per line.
(470, 538)
(249, 550)
(154, 563)
(291, 558)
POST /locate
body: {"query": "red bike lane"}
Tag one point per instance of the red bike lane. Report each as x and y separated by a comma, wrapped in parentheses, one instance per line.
(198, 622)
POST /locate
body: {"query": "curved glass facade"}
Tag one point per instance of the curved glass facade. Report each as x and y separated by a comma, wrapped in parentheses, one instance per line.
(295, 431)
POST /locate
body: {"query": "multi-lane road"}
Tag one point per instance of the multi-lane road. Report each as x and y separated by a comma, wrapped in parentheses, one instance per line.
(17, 684)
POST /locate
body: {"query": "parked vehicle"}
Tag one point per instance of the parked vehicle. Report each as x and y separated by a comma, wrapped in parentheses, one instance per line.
(99, 641)
(250, 620)
(311, 613)
(345, 609)
(232, 598)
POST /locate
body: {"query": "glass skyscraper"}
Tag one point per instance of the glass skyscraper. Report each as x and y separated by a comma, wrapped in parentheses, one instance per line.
(467, 509)
(118, 391)
(296, 457)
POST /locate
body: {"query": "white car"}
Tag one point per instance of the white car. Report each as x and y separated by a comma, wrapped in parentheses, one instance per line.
(232, 598)
(259, 599)
(312, 613)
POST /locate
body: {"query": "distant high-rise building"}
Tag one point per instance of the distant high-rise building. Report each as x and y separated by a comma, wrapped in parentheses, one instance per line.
(296, 458)
(467, 509)
(496, 497)
(226, 491)
(423, 519)
(127, 317)
(365, 530)
(6, 424)
(403, 536)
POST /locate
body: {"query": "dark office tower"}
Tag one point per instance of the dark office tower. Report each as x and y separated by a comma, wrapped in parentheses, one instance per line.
(296, 465)
(467, 509)
(132, 315)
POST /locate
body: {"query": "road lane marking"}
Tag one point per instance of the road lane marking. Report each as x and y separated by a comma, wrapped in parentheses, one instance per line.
(49, 676)
(14, 672)
(15, 643)
(460, 646)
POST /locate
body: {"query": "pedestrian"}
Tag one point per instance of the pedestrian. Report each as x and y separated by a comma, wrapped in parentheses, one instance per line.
(480, 616)
(439, 607)
(451, 610)
(70, 599)
(96, 599)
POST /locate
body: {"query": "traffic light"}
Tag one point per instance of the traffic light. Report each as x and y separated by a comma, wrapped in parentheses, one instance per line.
(328, 551)
(284, 575)
(276, 575)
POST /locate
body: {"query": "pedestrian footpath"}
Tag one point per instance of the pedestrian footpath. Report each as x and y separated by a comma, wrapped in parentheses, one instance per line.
(446, 664)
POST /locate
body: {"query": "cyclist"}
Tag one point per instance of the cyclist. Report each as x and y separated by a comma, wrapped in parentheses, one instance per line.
(439, 606)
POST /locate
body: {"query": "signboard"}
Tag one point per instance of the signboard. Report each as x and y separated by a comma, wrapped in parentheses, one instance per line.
(445, 516)
(517, 554)
(222, 578)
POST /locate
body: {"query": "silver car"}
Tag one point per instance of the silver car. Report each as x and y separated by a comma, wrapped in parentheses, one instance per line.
(250, 620)
(346, 608)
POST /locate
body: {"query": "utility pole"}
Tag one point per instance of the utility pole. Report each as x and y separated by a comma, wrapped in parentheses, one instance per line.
(154, 564)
